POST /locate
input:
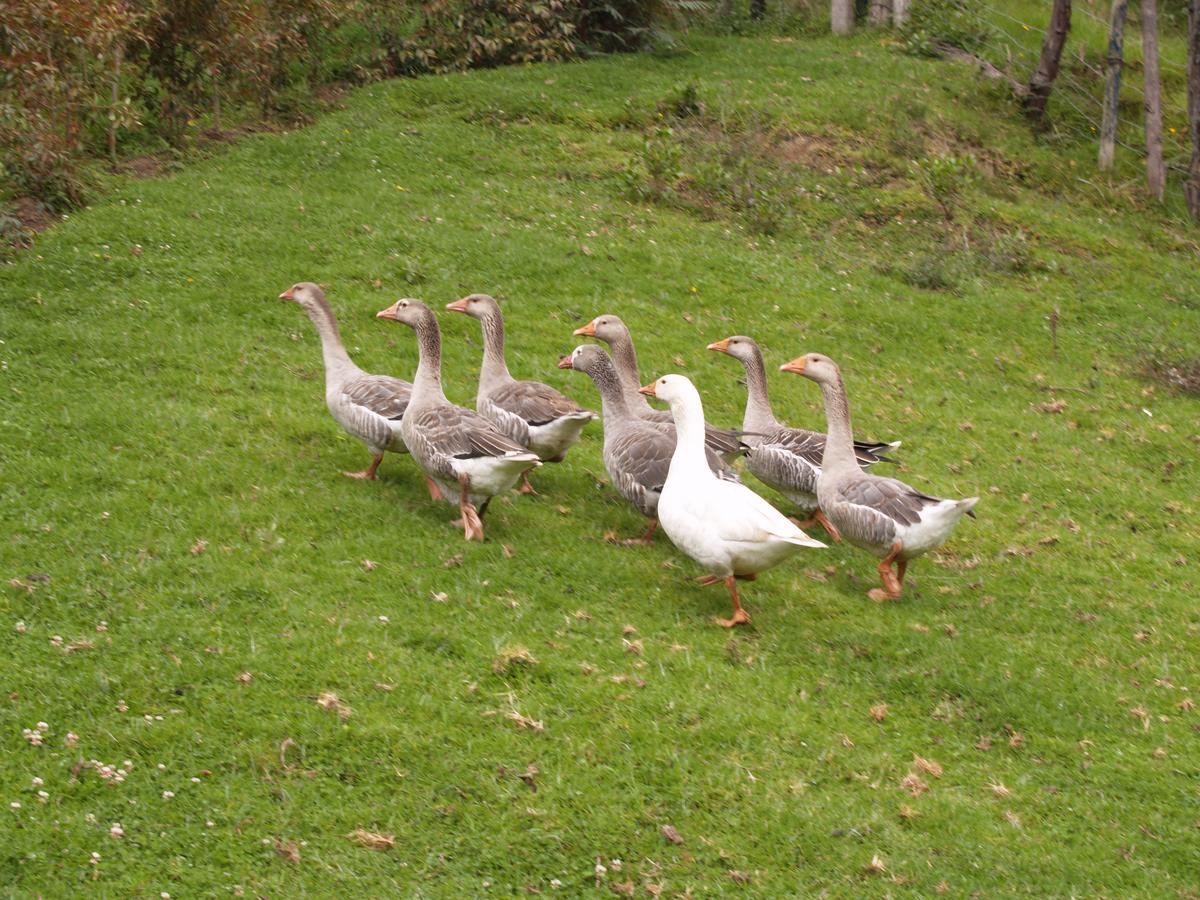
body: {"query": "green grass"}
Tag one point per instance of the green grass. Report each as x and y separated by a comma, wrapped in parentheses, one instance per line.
(150, 403)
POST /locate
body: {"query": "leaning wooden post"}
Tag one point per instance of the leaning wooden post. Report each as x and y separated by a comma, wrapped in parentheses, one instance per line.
(1042, 80)
(114, 111)
(1156, 179)
(1112, 84)
(1191, 187)
(841, 16)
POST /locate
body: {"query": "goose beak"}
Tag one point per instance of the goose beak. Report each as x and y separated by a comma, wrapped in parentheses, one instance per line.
(288, 295)
(796, 366)
(588, 330)
(564, 362)
(648, 389)
(721, 346)
(458, 305)
(389, 313)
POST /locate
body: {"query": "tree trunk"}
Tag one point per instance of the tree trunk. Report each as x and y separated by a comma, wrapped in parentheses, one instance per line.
(880, 13)
(1112, 84)
(725, 10)
(1042, 80)
(758, 8)
(900, 12)
(217, 101)
(841, 16)
(1192, 187)
(1156, 179)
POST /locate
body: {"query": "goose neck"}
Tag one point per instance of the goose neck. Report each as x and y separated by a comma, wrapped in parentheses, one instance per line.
(625, 360)
(613, 402)
(427, 383)
(338, 364)
(689, 456)
(758, 415)
(839, 441)
(494, 371)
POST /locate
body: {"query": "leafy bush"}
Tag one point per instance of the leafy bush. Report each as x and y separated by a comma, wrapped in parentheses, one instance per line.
(934, 24)
(80, 78)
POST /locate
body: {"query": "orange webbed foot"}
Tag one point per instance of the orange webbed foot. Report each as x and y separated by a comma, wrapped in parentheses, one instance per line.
(740, 617)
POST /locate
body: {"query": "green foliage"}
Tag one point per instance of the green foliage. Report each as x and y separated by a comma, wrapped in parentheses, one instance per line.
(945, 177)
(935, 24)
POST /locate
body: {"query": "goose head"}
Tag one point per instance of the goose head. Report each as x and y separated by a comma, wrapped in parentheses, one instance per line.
(304, 293)
(477, 306)
(584, 358)
(814, 366)
(408, 312)
(677, 390)
(738, 346)
(607, 328)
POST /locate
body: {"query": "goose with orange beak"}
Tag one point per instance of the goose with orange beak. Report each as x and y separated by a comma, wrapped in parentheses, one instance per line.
(883, 516)
(533, 414)
(786, 459)
(728, 529)
(466, 459)
(368, 407)
(725, 443)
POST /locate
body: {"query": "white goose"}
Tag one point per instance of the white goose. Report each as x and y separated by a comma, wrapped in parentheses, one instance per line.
(461, 452)
(883, 516)
(726, 527)
(369, 407)
(531, 413)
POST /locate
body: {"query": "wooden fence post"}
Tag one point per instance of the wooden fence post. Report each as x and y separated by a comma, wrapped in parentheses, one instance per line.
(841, 16)
(900, 13)
(1112, 84)
(1191, 188)
(879, 13)
(1155, 175)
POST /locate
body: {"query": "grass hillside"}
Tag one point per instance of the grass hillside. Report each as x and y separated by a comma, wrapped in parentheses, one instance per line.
(285, 656)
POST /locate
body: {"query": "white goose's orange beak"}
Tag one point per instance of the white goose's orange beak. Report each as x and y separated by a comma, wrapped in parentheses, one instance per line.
(288, 295)
(564, 362)
(458, 305)
(588, 330)
(796, 366)
(389, 313)
(721, 346)
(648, 389)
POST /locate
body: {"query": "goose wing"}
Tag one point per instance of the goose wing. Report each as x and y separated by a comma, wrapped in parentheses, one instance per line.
(536, 403)
(381, 394)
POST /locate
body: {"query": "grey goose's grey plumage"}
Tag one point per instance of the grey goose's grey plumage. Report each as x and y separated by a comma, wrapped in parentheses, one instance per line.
(883, 516)
(533, 414)
(725, 442)
(786, 459)
(637, 453)
(368, 407)
(463, 454)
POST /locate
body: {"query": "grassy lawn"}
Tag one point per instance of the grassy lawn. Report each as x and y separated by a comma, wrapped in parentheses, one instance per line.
(286, 656)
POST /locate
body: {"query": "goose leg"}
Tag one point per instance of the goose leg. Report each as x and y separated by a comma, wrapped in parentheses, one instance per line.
(471, 523)
(526, 487)
(740, 616)
(435, 492)
(367, 474)
(646, 537)
(891, 584)
(819, 518)
(706, 580)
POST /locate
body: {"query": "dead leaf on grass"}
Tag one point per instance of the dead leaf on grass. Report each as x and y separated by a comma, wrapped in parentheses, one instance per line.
(372, 839)
(876, 866)
(331, 701)
(289, 850)
(671, 834)
(879, 712)
(928, 766)
(914, 784)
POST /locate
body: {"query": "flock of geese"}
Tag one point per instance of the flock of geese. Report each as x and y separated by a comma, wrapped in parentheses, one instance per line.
(672, 466)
